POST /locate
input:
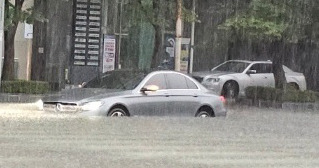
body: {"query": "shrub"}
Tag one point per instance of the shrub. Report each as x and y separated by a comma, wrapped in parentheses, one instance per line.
(273, 94)
(23, 86)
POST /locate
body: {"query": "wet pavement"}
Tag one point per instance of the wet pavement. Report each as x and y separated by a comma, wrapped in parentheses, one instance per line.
(247, 137)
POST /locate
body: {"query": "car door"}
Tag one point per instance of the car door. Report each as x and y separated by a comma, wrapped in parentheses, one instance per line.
(263, 76)
(269, 77)
(183, 95)
(151, 103)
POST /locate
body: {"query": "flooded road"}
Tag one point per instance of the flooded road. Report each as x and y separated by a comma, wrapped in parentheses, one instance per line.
(247, 137)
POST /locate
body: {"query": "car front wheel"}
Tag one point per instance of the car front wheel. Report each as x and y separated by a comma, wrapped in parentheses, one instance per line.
(117, 112)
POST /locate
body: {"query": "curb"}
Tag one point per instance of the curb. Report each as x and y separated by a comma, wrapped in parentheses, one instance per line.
(292, 106)
(19, 98)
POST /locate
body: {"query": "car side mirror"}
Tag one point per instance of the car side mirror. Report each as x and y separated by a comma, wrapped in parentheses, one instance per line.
(82, 84)
(149, 88)
(251, 72)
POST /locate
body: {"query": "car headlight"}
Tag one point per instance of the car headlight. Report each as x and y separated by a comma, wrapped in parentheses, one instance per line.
(214, 80)
(90, 106)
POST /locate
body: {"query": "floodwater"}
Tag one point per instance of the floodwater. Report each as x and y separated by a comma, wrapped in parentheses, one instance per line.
(247, 137)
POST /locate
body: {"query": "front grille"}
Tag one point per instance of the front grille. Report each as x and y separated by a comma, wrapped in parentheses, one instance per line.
(60, 107)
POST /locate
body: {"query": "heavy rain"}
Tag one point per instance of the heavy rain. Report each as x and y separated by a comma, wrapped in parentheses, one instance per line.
(159, 83)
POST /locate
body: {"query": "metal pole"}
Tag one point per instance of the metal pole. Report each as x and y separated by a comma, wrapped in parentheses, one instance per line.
(1, 35)
(29, 59)
(120, 37)
(178, 43)
(191, 57)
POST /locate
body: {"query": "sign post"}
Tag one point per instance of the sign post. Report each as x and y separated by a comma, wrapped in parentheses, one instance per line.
(28, 34)
(178, 40)
(191, 56)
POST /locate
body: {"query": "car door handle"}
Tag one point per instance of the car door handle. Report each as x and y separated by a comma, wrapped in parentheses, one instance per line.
(195, 95)
(166, 94)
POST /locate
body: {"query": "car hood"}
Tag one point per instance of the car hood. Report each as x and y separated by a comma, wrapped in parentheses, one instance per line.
(78, 94)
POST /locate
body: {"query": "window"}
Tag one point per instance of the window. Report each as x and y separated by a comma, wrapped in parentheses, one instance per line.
(158, 80)
(176, 81)
(262, 68)
(117, 79)
(191, 84)
(268, 68)
(232, 66)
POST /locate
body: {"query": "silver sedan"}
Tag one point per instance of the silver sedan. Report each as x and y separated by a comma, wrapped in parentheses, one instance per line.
(232, 77)
(133, 93)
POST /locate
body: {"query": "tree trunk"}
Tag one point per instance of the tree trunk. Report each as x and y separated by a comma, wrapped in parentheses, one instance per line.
(9, 34)
(278, 49)
(158, 34)
(157, 45)
(8, 63)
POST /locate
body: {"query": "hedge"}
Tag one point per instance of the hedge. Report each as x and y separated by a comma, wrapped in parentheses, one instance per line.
(23, 86)
(278, 95)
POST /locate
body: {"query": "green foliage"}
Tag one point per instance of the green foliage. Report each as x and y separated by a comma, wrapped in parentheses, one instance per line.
(273, 94)
(14, 15)
(189, 15)
(23, 86)
(271, 20)
(157, 12)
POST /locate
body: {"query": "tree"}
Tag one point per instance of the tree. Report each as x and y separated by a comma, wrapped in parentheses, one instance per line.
(276, 23)
(14, 14)
(161, 14)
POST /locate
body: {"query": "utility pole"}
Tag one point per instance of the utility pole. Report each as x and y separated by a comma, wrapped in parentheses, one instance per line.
(178, 43)
(120, 37)
(1, 35)
(191, 57)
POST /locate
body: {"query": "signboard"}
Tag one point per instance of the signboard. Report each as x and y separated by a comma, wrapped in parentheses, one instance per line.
(109, 48)
(28, 31)
(185, 54)
(87, 37)
(170, 46)
(169, 60)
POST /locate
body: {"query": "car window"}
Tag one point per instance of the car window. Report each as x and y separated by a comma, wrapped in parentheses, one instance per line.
(262, 68)
(158, 80)
(176, 81)
(117, 80)
(268, 68)
(232, 66)
(191, 84)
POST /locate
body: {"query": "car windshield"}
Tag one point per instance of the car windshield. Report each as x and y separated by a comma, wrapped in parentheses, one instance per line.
(122, 79)
(232, 66)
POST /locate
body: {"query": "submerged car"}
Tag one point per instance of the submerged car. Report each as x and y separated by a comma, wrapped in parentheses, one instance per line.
(231, 78)
(128, 93)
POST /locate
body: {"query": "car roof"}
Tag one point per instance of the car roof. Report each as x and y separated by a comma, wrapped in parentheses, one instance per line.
(248, 61)
(168, 71)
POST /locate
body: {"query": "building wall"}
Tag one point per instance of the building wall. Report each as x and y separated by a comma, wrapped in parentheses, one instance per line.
(52, 42)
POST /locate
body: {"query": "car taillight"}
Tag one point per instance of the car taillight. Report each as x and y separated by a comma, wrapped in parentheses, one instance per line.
(223, 99)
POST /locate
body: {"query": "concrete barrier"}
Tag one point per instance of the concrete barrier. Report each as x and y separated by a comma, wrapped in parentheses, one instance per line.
(19, 98)
(292, 106)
